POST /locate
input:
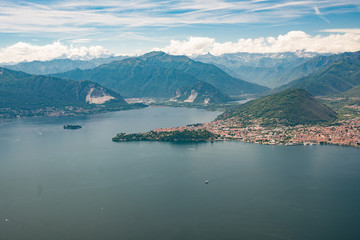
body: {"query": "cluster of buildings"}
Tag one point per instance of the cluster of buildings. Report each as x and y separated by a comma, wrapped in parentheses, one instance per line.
(344, 133)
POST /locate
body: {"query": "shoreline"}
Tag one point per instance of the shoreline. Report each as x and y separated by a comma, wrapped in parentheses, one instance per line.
(7, 114)
(344, 133)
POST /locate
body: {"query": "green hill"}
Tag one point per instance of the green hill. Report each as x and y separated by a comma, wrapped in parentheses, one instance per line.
(336, 78)
(352, 93)
(24, 91)
(290, 107)
(201, 92)
(158, 74)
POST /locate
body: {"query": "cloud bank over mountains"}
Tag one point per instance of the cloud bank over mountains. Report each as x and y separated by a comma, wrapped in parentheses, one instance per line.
(291, 42)
(335, 41)
(21, 52)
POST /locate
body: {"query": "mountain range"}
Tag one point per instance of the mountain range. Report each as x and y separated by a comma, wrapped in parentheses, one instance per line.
(336, 74)
(268, 69)
(59, 65)
(157, 74)
(182, 80)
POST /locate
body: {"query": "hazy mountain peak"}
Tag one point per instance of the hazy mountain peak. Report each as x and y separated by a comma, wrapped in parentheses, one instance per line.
(154, 54)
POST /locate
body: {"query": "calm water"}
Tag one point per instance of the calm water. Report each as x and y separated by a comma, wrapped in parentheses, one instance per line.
(63, 184)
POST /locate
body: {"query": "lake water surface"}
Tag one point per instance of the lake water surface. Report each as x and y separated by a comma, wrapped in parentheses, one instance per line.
(78, 184)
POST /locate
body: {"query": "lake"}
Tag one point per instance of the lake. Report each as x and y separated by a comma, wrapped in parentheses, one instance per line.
(78, 184)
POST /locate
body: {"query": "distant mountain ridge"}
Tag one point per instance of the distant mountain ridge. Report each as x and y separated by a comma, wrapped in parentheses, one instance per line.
(59, 65)
(268, 69)
(320, 62)
(289, 107)
(342, 72)
(25, 91)
(157, 74)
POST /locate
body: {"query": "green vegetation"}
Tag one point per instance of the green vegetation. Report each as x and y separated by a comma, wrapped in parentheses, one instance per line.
(171, 136)
(336, 78)
(22, 94)
(290, 107)
(25, 91)
(346, 108)
(158, 74)
(351, 93)
(317, 64)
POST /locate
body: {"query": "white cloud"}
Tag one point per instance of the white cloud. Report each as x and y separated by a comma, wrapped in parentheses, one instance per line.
(21, 51)
(342, 30)
(291, 42)
(335, 41)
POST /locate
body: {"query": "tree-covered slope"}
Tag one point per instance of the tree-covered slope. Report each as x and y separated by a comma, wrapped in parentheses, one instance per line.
(319, 63)
(158, 74)
(290, 107)
(24, 91)
(336, 78)
(351, 93)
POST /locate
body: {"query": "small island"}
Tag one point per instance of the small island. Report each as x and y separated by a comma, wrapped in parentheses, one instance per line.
(72, 127)
(201, 135)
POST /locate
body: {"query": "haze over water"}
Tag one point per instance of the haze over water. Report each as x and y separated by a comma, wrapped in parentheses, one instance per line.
(61, 184)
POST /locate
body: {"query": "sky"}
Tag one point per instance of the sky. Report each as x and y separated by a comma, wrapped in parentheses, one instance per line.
(84, 29)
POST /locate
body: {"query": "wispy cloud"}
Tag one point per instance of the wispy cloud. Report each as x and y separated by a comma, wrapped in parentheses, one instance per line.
(291, 42)
(317, 12)
(90, 16)
(342, 30)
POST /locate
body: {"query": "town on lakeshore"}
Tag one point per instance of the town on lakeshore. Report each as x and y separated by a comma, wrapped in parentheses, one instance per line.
(290, 117)
(346, 132)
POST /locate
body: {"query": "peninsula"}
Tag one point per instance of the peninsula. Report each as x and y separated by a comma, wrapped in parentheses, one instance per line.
(173, 135)
(291, 117)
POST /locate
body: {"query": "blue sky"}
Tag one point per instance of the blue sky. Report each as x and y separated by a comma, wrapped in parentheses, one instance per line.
(138, 26)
